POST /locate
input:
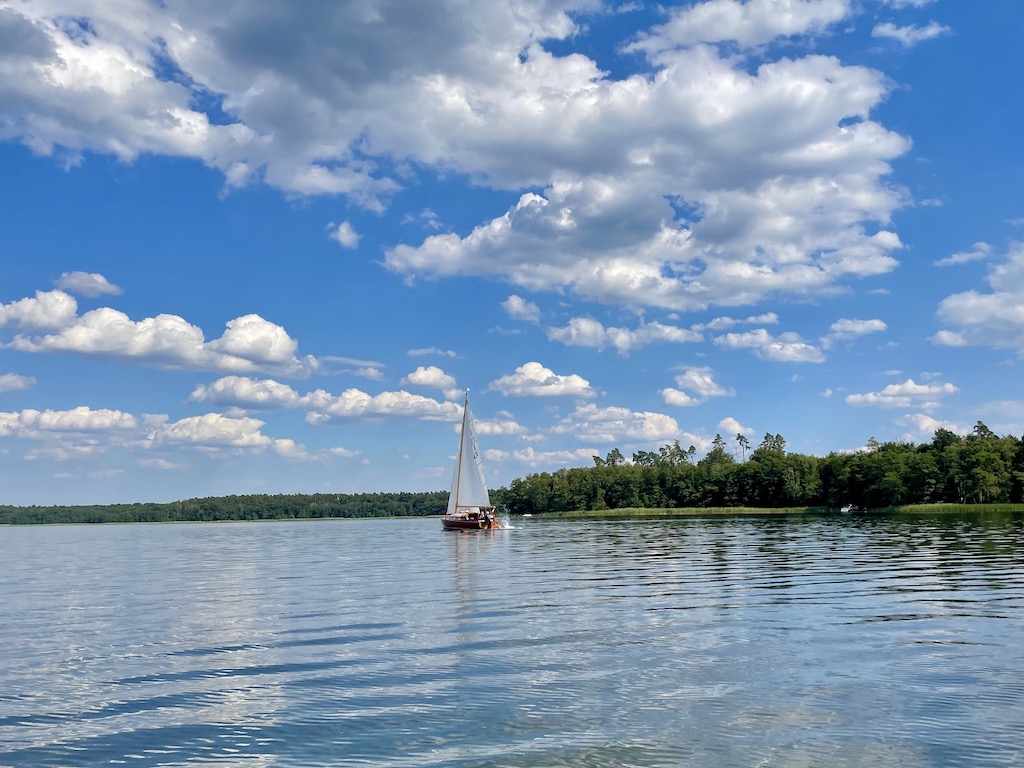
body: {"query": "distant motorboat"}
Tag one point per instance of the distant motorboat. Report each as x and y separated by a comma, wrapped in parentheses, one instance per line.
(853, 509)
(469, 504)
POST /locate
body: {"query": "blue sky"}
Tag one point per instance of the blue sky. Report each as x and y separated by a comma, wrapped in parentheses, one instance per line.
(254, 247)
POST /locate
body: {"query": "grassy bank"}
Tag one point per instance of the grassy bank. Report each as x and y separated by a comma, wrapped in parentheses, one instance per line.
(638, 512)
(909, 509)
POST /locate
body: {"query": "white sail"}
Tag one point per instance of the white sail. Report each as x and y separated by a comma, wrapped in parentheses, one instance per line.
(469, 489)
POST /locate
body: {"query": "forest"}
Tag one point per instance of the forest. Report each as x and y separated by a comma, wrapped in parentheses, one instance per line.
(979, 468)
(254, 507)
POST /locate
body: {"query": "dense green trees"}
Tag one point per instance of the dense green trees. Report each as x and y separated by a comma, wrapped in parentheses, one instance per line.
(255, 507)
(979, 468)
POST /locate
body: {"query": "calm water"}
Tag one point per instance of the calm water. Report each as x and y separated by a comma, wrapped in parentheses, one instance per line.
(700, 642)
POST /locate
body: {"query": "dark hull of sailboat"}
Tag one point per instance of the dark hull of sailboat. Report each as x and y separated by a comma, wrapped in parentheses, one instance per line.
(468, 524)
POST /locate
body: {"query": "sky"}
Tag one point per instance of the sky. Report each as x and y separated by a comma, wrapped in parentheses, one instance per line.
(262, 247)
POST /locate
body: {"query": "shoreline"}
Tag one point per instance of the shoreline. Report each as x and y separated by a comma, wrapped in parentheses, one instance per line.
(631, 513)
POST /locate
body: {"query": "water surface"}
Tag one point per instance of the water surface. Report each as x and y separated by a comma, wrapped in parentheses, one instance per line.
(831, 641)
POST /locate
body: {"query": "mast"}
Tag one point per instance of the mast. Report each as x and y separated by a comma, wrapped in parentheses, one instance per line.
(458, 461)
(469, 489)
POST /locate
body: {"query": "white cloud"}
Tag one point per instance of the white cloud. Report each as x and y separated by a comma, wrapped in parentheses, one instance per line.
(433, 377)
(49, 310)
(505, 424)
(249, 344)
(432, 351)
(750, 23)
(344, 234)
(10, 382)
(699, 381)
(158, 464)
(787, 347)
(614, 424)
(425, 218)
(923, 427)
(289, 449)
(908, 394)
(780, 156)
(994, 319)
(534, 458)
(730, 427)
(587, 332)
(846, 329)
(678, 398)
(257, 340)
(355, 404)
(521, 309)
(910, 35)
(978, 252)
(244, 392)
(30, 422)
(345, 453)
(534, 380)
(89, 284)
(213, 430)
(946, 338)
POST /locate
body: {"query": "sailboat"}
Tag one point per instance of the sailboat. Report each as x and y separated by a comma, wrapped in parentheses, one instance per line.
(469, 505)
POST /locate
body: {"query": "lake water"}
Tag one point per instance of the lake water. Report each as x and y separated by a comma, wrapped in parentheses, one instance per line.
(741, 641)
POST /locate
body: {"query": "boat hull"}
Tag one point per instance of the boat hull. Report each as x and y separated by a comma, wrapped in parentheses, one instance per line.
(468, 524)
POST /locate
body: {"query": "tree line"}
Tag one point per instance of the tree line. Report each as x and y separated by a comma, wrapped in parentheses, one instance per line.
(251, 507)
(981, 467)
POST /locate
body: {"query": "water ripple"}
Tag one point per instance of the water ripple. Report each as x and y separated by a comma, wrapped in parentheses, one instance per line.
(690, 642)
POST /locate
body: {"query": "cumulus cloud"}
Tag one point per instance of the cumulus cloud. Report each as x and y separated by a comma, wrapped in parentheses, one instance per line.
(519, 308)
(241, 393)
(432, 377)
(78, 433)
(946, 338)
(908, 394)
(10, 382)
(80, 419)
(49, 322)
(48, 310)
(213, 430)
(788, 347)
(534, 380)
(749, 23)
(614, 424)
(698, 381)
(922, 427)
(89, 284)
(352, 404)
(245, 392)
(978, 252)
(344, 234)
(910, 35)
(587, 332)
(731, 427)
(504, 424)
(846, 329)
(708, 179)
(534, 458)
(988, 319)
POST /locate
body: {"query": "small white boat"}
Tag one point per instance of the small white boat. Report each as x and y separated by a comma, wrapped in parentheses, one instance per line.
(469, 504)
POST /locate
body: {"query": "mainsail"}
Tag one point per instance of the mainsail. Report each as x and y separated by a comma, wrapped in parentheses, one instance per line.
(469, 489)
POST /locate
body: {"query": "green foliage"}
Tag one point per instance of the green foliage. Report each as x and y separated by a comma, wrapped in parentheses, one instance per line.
(979, 468)
(256, 507)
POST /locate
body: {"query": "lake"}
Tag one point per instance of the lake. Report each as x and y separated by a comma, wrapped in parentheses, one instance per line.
(735, 641)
